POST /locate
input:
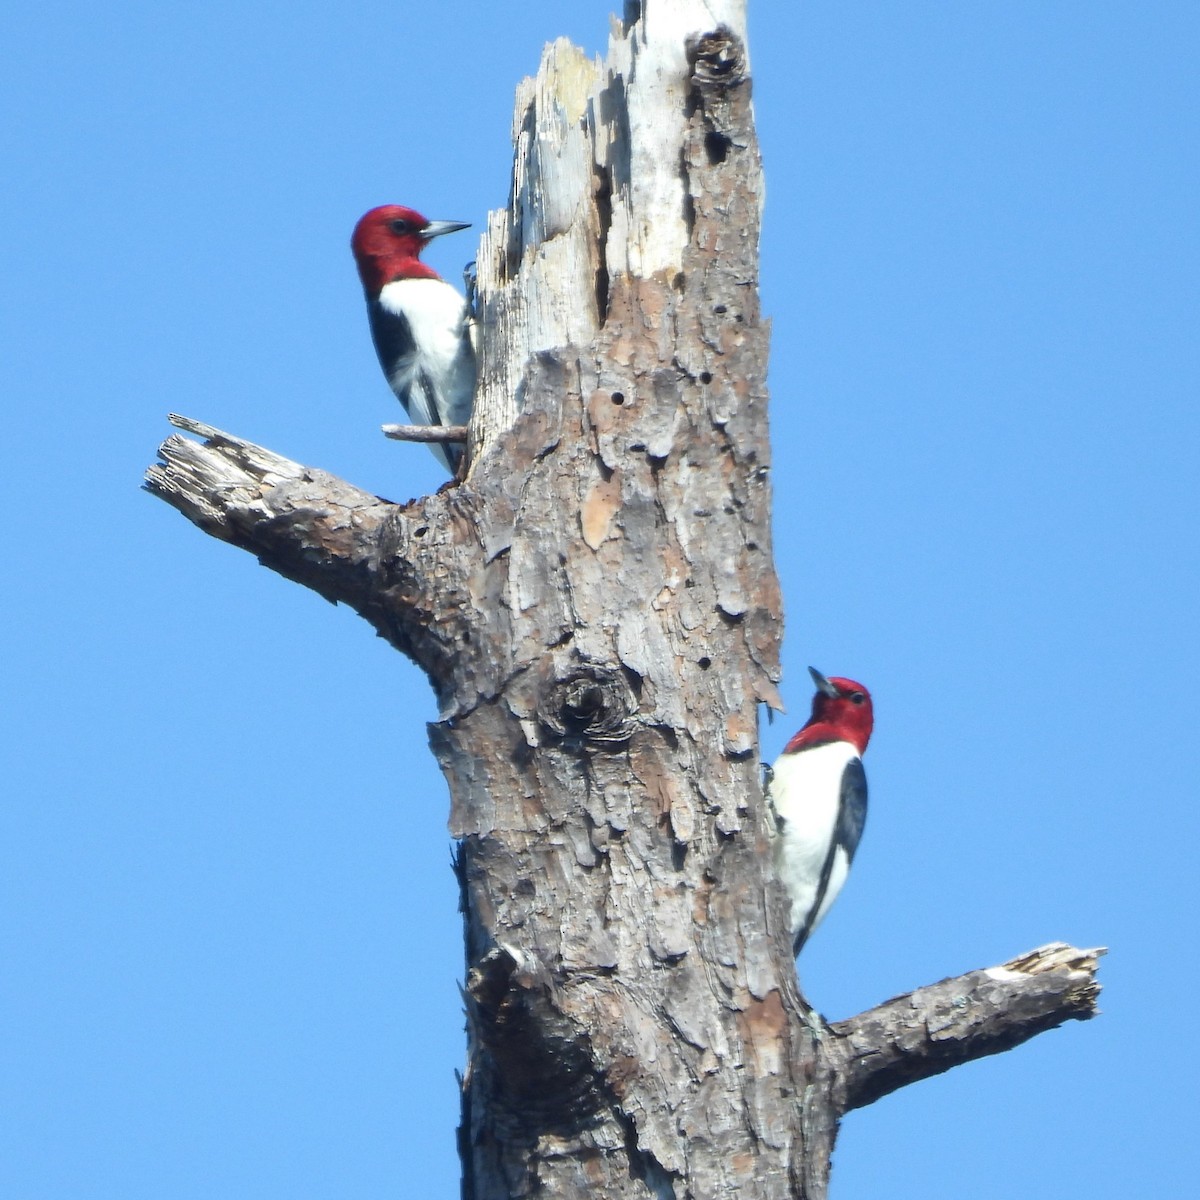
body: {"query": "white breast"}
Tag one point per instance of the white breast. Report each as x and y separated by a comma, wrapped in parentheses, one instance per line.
(436, 315)
(805, 793)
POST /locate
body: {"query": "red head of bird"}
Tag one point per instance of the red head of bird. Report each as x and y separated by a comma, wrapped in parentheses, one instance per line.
(841, 712)
(387, 244)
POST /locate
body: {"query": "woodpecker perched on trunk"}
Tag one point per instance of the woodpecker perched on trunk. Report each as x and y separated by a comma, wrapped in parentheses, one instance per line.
(420, 323)
(818, 793)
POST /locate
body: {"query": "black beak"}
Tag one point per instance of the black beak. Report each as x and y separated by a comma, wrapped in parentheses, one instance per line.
(437, 228)
(822, 683)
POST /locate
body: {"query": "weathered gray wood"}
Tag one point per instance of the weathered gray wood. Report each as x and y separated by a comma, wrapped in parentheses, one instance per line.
(597, 609)
(940, 1026)
(425, 433)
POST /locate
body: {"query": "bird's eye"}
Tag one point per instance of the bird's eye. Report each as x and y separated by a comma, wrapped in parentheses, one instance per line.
(400, 225)
(857, 698)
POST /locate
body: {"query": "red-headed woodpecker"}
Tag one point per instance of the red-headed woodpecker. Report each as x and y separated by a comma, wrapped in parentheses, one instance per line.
(420, 323)
(818, 793)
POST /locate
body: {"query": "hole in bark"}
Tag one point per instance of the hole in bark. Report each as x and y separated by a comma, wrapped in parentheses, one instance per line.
(720, 309)
(716, 145)
(618, 397)
(467, 636)
(706, 377)
(584, 706)
(678, 855)
(704, 663)
(751, 546)
(421, 531)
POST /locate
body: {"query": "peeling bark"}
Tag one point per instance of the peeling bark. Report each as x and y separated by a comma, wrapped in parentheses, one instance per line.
(597, 609)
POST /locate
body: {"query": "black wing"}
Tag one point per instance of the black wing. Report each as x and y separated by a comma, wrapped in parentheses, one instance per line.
(394, 344)
(392, 336)
(852, 810)
(852, 817)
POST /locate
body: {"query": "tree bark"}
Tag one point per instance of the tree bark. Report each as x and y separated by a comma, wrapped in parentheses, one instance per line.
(598, 613)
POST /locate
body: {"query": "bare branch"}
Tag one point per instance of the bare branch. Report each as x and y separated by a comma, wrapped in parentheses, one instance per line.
(983, 1012)
(389, 562)
(218, 483)
(425, 433)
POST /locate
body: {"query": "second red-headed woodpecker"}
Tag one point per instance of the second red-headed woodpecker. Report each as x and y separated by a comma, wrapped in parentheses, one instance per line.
(421, 325)
(818, 795)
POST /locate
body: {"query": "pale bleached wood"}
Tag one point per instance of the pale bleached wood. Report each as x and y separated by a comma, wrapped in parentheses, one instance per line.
(597, 193)
(538, 260)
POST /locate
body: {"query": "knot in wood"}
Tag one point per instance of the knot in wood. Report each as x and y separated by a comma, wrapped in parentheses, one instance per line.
(718, 59)
(592, 704)
(543, 1074)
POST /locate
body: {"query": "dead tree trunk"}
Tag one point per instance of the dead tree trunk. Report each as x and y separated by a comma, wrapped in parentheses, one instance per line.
(597, 610)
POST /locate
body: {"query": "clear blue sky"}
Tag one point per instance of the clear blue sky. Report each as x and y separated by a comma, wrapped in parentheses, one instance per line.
(229, 935)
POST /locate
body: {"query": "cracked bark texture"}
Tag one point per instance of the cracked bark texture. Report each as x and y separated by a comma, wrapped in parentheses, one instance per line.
(597, 610)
